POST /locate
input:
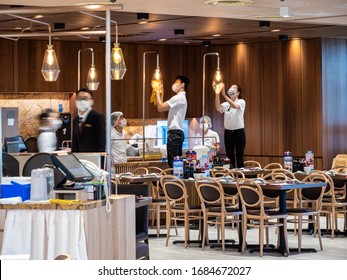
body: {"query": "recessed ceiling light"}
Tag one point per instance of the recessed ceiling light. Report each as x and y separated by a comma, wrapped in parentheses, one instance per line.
(229, 2)
(283, 37)
(216, 35)
(18, 28)
(264, 23)
(275, 30)
(85, 28)
(38, 16)
(163, 39)
(179, 31)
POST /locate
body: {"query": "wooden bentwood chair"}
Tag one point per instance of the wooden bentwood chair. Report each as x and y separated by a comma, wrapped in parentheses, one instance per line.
(310, 204)
(255, 215)
(215, 211)
(178, 208)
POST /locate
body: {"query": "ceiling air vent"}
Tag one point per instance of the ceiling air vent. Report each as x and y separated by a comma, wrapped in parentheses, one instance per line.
(229, 2)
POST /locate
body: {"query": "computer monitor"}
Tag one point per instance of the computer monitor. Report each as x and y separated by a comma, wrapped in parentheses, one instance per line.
(71, 167)
(22, 146)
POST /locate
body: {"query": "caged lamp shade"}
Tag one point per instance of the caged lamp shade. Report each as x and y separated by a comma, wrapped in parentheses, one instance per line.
(50, 67)
(118, 67)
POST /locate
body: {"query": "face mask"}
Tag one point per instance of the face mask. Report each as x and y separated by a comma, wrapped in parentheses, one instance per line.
(56, 124)
(204, 127)
(231, 92)
(123, 123)
(83, 105)
(175, 87)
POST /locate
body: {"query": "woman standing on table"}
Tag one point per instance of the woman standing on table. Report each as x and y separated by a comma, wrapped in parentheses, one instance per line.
(233, 109)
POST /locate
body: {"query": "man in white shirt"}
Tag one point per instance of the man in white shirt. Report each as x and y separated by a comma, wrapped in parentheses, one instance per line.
(211, 138)
(233, 109)
(118, 137)
(177, 107)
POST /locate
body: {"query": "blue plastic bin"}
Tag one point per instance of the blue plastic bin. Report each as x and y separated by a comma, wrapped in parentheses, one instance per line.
(13, 189)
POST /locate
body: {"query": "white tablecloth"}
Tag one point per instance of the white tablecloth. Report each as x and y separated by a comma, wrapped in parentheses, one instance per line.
(45, 234)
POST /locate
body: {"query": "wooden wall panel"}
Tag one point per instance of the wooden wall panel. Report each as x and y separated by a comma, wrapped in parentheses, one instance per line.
(7, 58)
(282, 82)
(334, 92)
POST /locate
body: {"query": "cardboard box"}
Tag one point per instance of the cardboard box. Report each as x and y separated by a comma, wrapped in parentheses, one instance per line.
(15, 186)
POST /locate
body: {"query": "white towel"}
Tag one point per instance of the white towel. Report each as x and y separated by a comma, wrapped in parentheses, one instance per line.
(11, 200)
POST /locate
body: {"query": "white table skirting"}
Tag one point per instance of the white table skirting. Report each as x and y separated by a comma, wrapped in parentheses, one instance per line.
(45, 234)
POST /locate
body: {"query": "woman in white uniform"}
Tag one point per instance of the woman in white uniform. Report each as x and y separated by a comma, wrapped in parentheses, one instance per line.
(118, 137)
(211, 138)
(233, 109)
(50, 122)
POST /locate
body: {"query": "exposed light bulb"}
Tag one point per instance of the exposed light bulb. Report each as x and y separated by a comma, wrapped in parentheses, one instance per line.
(92, 79)
(116, 55)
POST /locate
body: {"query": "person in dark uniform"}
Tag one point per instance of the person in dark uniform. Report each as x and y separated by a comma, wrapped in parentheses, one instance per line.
(89, 132)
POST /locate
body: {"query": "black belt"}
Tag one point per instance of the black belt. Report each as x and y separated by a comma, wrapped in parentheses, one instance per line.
(235, 130)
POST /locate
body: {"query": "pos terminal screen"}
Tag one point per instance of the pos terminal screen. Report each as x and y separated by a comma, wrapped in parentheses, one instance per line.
(72, 168)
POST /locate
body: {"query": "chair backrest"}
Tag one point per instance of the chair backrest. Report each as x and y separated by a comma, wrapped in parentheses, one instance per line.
(273, 165)
(168, 171)
(251, 195)
(174, 189)
(154, 169)
(290, 175)
(313, 194)
(219, 171)
(340, 163)
(235, 174)
(31, 143)
(251, 163)
(210, 192)
(140, 171)
(10, 165)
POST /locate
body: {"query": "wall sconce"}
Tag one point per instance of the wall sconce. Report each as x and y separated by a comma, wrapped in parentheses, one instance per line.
(118, 67)
(157, 80)
(217, 79)
(92, 78)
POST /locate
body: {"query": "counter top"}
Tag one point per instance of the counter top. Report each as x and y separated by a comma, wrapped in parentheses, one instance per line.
(55, 206)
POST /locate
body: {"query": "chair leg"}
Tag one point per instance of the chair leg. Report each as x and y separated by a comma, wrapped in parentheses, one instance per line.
(319, 233)
(205, 233)
(168, 226)
(285, 235)
(186, 230)
(333, 222)
(299, 233)
(244, 233)
(158, 220)
(223, 233)
(261, 229)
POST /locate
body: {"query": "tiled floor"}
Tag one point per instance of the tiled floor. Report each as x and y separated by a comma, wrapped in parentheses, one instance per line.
(333, 249)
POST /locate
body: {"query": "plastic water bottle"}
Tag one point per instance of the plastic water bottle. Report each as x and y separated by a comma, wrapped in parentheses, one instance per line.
(288, 161)
(178, 167)
(309, 158)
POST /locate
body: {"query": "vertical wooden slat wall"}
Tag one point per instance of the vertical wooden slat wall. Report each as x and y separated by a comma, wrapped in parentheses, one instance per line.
(294, 90)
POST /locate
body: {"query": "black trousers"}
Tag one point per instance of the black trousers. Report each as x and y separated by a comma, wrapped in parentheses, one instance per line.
(235, 140)
(174, 144)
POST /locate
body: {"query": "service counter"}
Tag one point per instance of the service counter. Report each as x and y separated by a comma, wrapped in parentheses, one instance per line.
(42, 231)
